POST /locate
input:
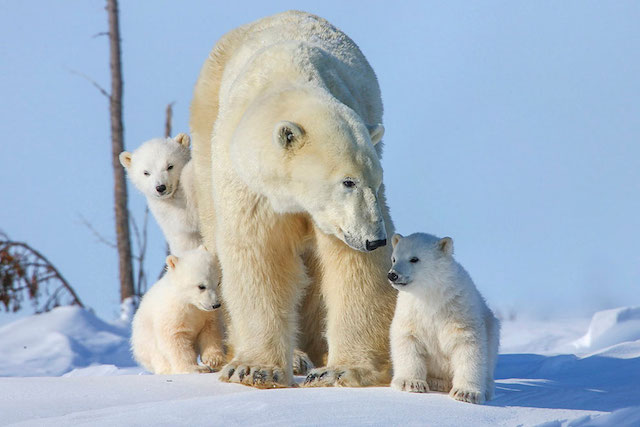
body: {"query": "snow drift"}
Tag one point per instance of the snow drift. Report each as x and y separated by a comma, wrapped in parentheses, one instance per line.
(59, 341)
(611, 327)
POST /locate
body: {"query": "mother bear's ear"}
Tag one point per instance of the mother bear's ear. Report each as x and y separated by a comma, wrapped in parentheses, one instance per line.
(376, 132)
(288, 135)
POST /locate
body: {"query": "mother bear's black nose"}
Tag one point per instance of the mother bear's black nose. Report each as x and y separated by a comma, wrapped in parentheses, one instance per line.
(375, 244)
(160, 188)
(392, 276)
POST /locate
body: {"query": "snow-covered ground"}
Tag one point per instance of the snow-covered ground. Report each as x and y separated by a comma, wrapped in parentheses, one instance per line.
(68, 367)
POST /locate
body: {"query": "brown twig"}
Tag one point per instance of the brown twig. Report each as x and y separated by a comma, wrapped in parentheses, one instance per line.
(90, 80)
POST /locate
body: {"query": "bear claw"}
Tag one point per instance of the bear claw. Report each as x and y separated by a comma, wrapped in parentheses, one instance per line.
(255, 376)
(327, 377)
(411, 385)
(302, 364)
(467, 396)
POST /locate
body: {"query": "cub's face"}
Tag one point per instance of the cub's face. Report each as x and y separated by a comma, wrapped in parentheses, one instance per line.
(197, 277)
(321, 161)
(155, 167)
(416, 258)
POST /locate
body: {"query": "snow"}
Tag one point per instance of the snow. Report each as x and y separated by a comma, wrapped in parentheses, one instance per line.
(59, 341)
(68, 367)
(611, 327)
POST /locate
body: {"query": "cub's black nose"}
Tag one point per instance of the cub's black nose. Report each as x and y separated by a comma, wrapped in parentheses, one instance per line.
(392, 276)
(214, 306)
(375, 244)
(160, 188)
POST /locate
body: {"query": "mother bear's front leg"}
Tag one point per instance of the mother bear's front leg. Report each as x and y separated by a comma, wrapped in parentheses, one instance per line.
(360, 305)
(263, 280)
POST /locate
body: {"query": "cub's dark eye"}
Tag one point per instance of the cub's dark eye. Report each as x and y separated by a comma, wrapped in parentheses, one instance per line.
(170, 167)
(146, 173)
(393, 260)
(413, 260)
(202, 287)
(349, 183)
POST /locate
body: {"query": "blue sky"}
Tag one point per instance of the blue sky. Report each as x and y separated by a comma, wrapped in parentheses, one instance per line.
(513, 127)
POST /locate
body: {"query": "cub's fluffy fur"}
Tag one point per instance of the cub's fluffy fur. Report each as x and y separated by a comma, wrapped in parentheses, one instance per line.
(177, 319)
(443, 335)
(161, 169)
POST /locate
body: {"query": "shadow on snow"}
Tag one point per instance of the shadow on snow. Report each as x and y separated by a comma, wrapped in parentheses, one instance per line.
(567, 382)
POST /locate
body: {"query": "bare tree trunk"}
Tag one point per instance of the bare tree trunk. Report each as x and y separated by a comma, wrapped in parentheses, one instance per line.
(167, 120)
(117, 146)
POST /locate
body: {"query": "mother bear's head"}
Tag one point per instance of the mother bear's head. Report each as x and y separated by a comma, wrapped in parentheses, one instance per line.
(307, 152)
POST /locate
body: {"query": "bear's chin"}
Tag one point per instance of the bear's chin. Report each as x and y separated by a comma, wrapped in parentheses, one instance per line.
(399, 286)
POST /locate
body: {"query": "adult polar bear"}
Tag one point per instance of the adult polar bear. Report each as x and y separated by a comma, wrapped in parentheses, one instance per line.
(284, 119)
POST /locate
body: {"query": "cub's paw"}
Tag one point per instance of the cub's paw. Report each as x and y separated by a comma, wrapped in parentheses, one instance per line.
(213, 359)
(301, 363)
(412, 385)
(341, 377)
(255, 376)
(465, 395)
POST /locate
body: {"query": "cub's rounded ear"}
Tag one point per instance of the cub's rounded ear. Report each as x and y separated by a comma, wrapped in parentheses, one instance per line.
(446, 245)
(395, 239)
(172, 261)
(287, 135)
(376, 132)
(125, 159)
(183, 139)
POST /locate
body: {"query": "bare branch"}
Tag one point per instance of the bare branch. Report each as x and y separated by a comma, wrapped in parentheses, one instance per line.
(103, 33)
(96, 233)
(90, 80)
(19, 256)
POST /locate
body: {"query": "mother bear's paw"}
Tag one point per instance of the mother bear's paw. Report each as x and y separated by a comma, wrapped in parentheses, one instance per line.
(340, 377)
(413, 385)
(469, 395)
(302, 364)
(254, 375)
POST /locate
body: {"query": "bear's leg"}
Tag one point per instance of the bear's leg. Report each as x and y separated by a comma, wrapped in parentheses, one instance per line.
(263, 279)
(210, 342)
(469, 365)
(360, 305)
(409, 364)
(493, 343)
(180, 351)
(313, 315)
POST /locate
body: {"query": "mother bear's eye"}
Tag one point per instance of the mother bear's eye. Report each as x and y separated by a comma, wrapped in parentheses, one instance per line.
(202, 287)
(146, 173)
(414, 260)
(170, 167)
(288, 134)
(349, 183)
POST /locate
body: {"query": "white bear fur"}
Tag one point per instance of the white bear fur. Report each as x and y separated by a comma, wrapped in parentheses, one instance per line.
(285, 110)
(443, 335)
(175, 210)
(177, 321)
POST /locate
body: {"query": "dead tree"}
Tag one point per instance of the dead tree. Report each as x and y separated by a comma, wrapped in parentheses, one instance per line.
(167, 120)
(26, 274)
(123, 238)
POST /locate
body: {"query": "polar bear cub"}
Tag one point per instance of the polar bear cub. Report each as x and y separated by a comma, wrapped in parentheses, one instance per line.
(161, 169)
(177, 318)
(443, 335)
